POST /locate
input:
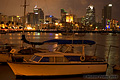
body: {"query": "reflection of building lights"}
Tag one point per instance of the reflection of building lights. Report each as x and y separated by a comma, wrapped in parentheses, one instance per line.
(19, 37)
(33, 37)
(34, 33)
(51, 34)
(56, 37)
(28, 34)
(18, 34)
(10, 38)
(60, 34)
(56, 34)
(38, 33)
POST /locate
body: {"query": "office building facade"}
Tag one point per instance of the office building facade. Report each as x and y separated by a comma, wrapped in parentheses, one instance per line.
(106, 15)
(90, 16)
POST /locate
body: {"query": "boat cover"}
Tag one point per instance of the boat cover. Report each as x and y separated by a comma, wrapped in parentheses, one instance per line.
(60, 41)
(28, 42)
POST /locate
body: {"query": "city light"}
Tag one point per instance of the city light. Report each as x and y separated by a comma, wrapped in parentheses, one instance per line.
(36, 13)
(51, 16)
(56, 23)
(69, 18)
(91, 7)
(110, 5)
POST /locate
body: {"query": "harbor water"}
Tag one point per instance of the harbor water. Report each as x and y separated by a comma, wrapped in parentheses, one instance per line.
(108, 47)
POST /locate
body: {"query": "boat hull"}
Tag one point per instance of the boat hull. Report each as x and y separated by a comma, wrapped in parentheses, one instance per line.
(56, 69)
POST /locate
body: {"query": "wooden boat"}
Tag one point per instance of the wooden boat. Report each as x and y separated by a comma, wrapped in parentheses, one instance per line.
(59, 63)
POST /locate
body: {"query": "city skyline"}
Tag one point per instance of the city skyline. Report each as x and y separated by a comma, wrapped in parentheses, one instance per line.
(52, 7)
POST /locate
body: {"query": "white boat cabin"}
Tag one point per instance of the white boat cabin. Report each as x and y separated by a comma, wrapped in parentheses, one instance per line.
(55, 57)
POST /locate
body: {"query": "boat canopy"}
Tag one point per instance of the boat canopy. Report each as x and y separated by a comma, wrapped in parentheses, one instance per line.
(28, 42)
(60, 41)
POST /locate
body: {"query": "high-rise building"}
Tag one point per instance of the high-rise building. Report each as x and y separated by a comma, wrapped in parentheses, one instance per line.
(90, 16)
(63, 15)
(0, 17)
(106, 14)
(38, 15)
(30, 18)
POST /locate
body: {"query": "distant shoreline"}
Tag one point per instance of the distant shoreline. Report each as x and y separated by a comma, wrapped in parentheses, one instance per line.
(58, 31)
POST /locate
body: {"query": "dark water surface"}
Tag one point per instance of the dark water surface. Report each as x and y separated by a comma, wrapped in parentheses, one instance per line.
(104, 41)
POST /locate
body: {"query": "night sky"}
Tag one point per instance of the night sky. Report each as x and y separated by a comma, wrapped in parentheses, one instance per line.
(52, 7)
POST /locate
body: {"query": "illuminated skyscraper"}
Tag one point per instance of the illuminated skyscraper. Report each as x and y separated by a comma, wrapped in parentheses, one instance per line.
(30, 18)
(38, 15)
(90, 15)
(63, 15)
(106, 14)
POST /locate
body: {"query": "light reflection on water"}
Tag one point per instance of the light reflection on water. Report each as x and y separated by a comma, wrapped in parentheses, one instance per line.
(107, 40)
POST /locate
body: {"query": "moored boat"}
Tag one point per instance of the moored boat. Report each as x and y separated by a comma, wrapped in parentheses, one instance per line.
(56, 65)
(59, 63)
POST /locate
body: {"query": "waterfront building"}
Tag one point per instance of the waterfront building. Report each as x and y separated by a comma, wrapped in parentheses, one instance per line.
(106, 15)
(90, 16)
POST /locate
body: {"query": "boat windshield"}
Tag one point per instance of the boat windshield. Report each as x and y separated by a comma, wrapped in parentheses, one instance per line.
(54, 59)
(37, 58)
(46, 59)
(65, 49)
(33, 57)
